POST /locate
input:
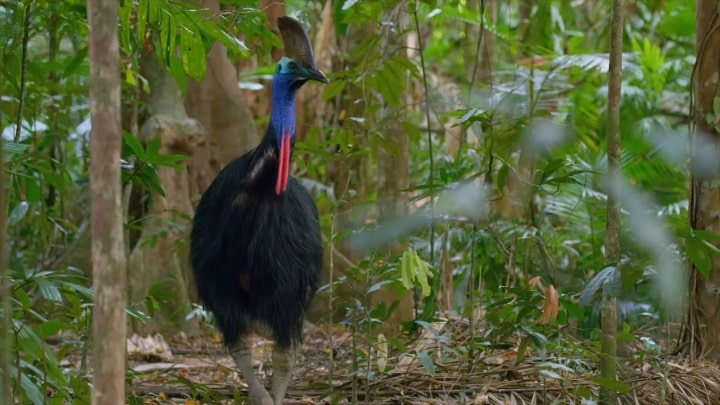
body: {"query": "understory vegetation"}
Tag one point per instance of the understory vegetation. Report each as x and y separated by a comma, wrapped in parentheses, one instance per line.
(457, 157)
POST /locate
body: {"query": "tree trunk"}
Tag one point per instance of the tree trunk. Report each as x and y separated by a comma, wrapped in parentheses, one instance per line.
(704, 310)
(608, 341)
(160, 256)
(106, 220)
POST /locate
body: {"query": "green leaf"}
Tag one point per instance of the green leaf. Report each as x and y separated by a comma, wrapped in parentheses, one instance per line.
(405, 271)
(170, 29)
(18, 213)
(30, 388)
(178, 73)
(333, 89)
(48, 328)
(502, 177)
(125, 12)
(143, 12)
(134, 144)
(413, 268)
(193, 20)
(136, 314)
(193, 54)
(550, 374)
(79, 57)
(606, 280)
(615, 385)
(426, 362)
(422, 272)
(551, 168)
(22, 298)
(48, 289)
(169, 161)
(153, 11)
(522, 349)
(388, 86)
(81, 290)
(11, 148)
(709, 118)
(700, 248)
(348, 3)
(148, 178)
(695, 251)
(152, 150)
(473, 115)
(52, 177)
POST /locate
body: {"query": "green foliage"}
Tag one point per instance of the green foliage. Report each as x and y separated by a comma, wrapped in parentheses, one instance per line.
(550, 67)
(414, 269)
(182, 32)
(140, 163)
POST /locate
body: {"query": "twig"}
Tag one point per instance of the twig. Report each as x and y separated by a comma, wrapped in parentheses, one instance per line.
(23, 68)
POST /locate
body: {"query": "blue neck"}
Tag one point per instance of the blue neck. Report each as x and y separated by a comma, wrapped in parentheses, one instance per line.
(282, 109)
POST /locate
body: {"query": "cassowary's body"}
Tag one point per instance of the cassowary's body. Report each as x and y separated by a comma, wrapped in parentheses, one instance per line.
(255, 245)
(257, 255)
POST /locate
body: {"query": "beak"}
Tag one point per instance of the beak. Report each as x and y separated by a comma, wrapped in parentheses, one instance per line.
(318, 76)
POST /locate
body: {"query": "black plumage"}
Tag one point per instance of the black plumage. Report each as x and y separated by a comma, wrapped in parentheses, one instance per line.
(256, 248)
(257, 256)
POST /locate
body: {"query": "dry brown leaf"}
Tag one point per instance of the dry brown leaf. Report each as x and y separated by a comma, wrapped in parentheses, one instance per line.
(550, 309)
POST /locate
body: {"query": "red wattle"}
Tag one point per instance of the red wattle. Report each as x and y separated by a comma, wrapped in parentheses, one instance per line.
(283, 164)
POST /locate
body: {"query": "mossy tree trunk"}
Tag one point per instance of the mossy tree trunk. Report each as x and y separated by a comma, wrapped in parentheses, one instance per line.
(608, 341)
(703, 318)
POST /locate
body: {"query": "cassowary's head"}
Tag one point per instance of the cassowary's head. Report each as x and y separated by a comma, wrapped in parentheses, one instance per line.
(293, 70)
(294, 74)
(298, 62)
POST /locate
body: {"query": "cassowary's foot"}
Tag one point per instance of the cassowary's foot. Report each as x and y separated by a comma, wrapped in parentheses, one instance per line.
(257, 395)
(283, 362)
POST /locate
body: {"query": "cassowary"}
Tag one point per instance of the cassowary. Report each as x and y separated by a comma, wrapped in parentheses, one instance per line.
(255, 245)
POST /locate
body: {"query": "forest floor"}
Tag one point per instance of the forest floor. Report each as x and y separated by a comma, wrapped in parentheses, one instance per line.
(201, 372)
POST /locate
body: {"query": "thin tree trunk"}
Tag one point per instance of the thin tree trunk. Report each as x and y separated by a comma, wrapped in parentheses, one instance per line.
(704, 214)
(524, 11)
(393, 177)
(318, 113)
(608, 341)
(349, 173)
(481, 52)
(5, 305)
(106, 224)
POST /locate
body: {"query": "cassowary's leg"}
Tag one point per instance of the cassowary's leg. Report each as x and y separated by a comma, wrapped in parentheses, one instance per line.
(241, 353)
(283, 362)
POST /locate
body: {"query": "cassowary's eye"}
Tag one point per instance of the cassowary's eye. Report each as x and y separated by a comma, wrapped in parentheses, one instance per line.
(292, 66)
